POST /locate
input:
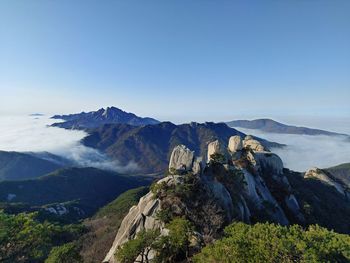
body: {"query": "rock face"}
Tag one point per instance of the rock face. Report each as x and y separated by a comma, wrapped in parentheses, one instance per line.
(181, 159)
(213, 147)
(235, 144)
(294, 207)
(326, 178)
(140, 217)
(258, 192)
(237, 189)
(197, 167)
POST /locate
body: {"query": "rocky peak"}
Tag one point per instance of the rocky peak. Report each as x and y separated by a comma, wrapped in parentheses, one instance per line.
(181, 159)
(213, 195)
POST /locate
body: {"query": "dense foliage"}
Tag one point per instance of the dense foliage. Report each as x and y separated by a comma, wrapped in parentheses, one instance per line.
(23, 238)
(275, 243)
(141, 245)
(66, 253)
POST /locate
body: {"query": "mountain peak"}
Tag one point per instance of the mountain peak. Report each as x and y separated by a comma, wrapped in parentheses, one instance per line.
(93, 119)
(231, 186)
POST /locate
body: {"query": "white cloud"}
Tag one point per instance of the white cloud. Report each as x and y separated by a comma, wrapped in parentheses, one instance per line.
(304, 151)
(32, 134)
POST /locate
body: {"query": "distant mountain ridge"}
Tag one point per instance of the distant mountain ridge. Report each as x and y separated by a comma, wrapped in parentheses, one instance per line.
(87, 189)
(93, 119)
(19, 166)
(271, 126)
(150, 146)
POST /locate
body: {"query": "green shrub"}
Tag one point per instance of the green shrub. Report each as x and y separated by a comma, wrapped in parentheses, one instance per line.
(182, 190)
(66, 253)
(157, 187)
(164, 215)
(174, 247)
(141, 245)
(275, 243)
(217, 158)
(170, 248)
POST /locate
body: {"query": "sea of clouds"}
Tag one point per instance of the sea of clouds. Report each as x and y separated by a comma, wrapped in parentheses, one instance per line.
(305, 151)
(33, 134)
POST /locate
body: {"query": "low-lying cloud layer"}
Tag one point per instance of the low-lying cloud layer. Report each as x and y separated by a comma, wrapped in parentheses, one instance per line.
(32, 134)
(304, 151)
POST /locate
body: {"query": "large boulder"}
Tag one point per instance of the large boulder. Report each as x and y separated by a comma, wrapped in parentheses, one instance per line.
(216, 147)
(251, 143)
(235, 144)
(181, 159)
(269, 162)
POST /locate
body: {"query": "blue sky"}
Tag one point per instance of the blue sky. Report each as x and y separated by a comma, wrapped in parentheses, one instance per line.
(177, 60)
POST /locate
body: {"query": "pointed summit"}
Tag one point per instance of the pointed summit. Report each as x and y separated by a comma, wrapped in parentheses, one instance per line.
(93, 119)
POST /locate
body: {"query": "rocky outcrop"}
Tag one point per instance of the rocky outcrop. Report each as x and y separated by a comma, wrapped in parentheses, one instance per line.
(251, 143)
(215, 147)
(197, 167)
(235, 144)
(181, 159)
(269, 164)
(214, 194)
(140, 217)
(321, 175)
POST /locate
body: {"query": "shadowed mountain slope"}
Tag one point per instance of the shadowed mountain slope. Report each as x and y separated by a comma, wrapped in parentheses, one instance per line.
(88, 188)
(150, 146)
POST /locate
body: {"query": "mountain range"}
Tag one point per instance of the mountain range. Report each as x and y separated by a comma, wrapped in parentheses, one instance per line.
(150, 146)
(102, 116)
(216, 176)
(271, 126)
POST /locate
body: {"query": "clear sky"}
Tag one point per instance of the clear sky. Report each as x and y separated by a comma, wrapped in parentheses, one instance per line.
(176, 60)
